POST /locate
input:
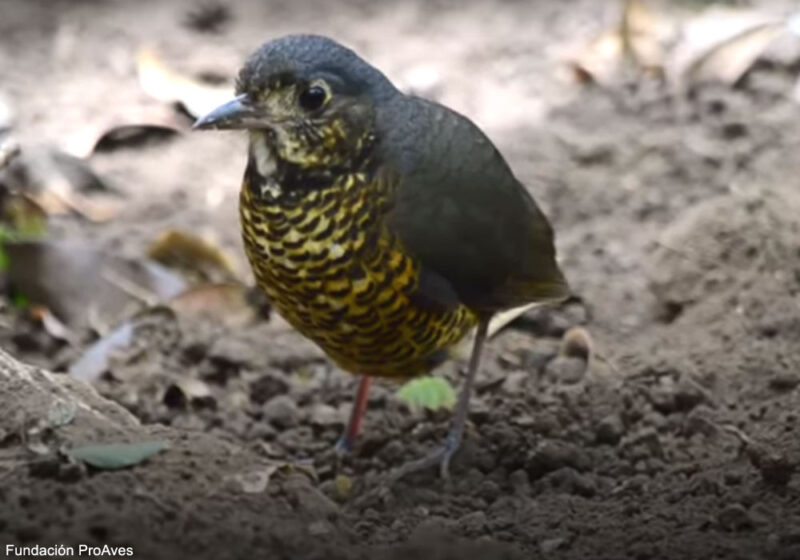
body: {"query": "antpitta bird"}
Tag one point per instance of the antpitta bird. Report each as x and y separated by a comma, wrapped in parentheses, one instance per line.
(382, 226)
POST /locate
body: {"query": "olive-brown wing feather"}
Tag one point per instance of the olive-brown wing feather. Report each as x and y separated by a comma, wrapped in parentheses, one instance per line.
(459, 209)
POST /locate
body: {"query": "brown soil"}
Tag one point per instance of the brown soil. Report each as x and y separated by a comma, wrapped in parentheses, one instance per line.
(681, 237)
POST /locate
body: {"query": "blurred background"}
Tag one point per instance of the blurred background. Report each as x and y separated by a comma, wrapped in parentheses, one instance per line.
(660, 137)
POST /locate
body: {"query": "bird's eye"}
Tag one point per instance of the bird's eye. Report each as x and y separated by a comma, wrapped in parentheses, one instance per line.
(312, 98)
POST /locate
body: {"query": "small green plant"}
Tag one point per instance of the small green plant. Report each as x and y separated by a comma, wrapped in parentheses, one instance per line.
(430, 393)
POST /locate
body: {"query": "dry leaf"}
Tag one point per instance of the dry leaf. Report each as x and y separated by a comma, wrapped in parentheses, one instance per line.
(227, 302)
(7, 116)
(721, 45)
(640, 37)
(145, 326)
(161, 82)
(9, 149)
(71, 279)
(108, 131)
(95, 360)
(23, 216)
(196, 257)
(52, 324)
(133, 135)
(60, 183)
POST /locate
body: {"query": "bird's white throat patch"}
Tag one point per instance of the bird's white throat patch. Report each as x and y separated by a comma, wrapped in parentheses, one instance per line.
(266, 165)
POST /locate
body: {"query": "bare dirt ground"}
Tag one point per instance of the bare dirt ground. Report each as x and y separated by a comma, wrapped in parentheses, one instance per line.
(680, 237)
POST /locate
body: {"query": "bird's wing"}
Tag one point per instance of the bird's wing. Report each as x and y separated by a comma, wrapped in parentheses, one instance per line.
(459, 209)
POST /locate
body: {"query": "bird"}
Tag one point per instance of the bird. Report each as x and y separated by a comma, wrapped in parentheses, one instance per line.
(383, 226)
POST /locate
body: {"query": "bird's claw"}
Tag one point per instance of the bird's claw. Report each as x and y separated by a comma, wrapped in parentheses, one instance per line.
(439, 457)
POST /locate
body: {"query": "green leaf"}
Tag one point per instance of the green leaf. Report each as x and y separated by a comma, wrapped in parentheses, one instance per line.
(116, 455)
(20, 301)
(432, 393)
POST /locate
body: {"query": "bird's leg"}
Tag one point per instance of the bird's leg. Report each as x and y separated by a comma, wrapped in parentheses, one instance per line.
(443, 455)
(348, 437)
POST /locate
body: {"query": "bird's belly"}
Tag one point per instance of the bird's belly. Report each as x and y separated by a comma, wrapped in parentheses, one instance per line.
(352, 295)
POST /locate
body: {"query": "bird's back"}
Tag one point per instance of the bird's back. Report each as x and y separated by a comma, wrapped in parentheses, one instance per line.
(459, 208)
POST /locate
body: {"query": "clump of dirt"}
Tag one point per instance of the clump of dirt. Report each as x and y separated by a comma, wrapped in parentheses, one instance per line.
(680, 234)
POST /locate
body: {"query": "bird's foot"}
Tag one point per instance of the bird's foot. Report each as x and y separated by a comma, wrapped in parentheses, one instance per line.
(343, 446)
(440, 457)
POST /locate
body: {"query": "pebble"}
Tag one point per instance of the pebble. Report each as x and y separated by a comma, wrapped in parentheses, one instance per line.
(553, 455)
(308, 498)
(489, 490)
(326, 415)
(266, 387)
(551, 545)
(431, 526)
(569, 481)
(282, 412)
(610, 429)
(566, 369)
(319, 529)
(735, 518)
(519, 482)
(669, 396)
(478, 411)
(514, 383)
(473, 523)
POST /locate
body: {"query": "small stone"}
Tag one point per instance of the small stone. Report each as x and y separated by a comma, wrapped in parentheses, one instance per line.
(566, 369)
(266, 387)
(551, 545)
(232, 351)
(309, 498)
(71, 472)
(319, 528)
(774, 466)
(569, 481)
(514, 383)
(478, 411)
(519, 482)
(669, 396)
(393, 452)
(735, 518)
(326, 415)
(473, 523)
(553, 455)
(576, 343)
(732, 478)
(489, 490)
(282, 412)
(610, 429)
(431, 526)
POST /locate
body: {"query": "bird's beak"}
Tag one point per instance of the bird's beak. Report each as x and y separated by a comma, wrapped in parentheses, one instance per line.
(237, 113)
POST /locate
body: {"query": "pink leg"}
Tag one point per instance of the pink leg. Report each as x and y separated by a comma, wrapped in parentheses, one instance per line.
(350, 434)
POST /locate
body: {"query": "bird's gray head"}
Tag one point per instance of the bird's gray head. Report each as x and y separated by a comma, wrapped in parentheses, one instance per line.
(307, 99)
